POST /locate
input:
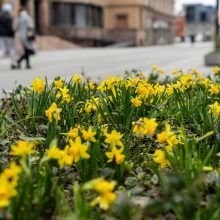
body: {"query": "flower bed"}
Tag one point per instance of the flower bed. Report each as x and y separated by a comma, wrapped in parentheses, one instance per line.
(126, 148)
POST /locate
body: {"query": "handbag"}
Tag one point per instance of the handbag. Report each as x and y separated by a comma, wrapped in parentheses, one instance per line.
(31, 34)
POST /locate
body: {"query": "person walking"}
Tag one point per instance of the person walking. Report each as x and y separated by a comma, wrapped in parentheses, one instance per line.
(7, 41)
(192, 39)
(24, 26)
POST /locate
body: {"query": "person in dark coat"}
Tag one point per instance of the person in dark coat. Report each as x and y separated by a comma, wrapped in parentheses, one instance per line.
(7, 41)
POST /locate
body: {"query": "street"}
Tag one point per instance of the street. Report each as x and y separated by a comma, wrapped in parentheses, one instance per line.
(102, 62)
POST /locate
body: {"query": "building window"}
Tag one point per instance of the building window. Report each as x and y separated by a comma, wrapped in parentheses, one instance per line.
(59, 10)
(203, 17)
(81, 16)
(121, 21)
(97, 16)
(190, 14)
(76, 15)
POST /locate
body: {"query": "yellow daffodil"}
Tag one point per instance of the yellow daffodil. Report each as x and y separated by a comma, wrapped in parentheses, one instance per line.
(169, 90)
(215, 70)
(135, 81)
(144, 126)
(178, 86)
(53, 153)
(111, 82)
(138, 128)
(207, 169)
(53, 112)
(38, 85)
(114, 138)
(164, 136)
(65, 158)
(199, 78)
(155, 68)
(11, 173)
(4, 195)
(187, 80)
(73, 133)
(136, 101)
(8, 183)
(77, 150)
(89, 135)
(167, 136)
(104, 129)
(102, 86)
(215, 109)
(206, 82)
(116, 154)
(158, 89)
(142, 90)
(128, 83)
(23, 148)
(161, 159)
(104, 189)
(64, 92)
(104, 200)
(91, 105)
(62, 156)
(176, 71)
(90, 86)
(214, 89)
(7, 191)
(76, 78)
(150, 125)
(161, 71)
(58, 83)
(195, 72)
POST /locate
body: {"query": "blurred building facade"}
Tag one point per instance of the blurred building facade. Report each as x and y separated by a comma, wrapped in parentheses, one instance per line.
(143, 22)
(101, 22)
(199, 21)
(180, 26)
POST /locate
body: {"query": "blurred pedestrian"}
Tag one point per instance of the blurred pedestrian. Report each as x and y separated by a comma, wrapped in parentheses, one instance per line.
(192, 39)
(7, 41)
(25, 27)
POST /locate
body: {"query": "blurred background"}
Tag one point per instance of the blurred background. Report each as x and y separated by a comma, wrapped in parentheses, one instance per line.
(108, 37)
(99, 23)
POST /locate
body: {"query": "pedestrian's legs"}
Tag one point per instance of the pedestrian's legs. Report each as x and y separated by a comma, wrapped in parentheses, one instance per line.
(10, 45)
(25, 56)
(28, 59)
(21, 59)
(2, 47)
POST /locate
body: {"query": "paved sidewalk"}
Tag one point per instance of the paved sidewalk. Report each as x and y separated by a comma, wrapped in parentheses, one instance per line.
(101, 62)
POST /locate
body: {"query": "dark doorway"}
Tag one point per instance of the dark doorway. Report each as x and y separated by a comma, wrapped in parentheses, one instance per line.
(37, 4)
(23, 3)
